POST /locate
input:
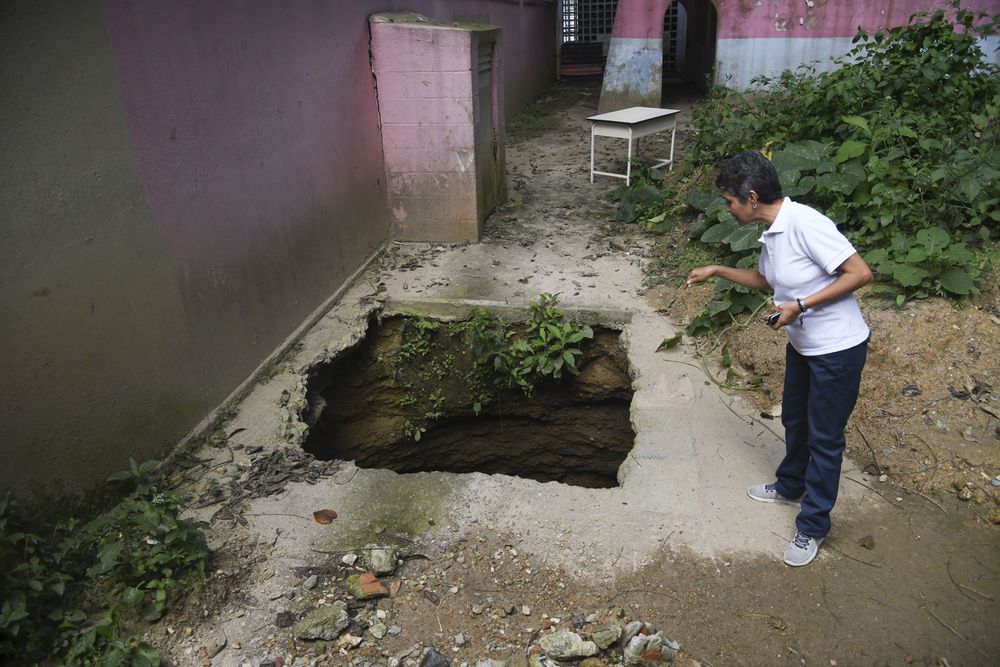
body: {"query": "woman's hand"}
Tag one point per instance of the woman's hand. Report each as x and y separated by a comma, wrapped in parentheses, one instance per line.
(747, 277)
(789, 311)
(701, 274)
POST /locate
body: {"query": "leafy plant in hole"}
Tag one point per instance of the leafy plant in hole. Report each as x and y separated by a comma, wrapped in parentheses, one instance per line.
(547, 345)
(502, 356)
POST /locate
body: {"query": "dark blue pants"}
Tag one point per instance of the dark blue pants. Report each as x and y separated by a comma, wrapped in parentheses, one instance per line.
(819, 396)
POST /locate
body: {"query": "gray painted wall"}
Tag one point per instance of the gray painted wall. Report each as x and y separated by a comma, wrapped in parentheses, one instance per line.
(183, 183)
(92, 323)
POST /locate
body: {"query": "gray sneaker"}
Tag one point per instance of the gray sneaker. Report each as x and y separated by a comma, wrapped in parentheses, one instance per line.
(768, 493)
(802, 549)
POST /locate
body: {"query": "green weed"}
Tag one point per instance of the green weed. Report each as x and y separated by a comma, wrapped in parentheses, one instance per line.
(69, 592)
(501, 356)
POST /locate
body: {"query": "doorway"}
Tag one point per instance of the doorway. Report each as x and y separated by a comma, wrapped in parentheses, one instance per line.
(689, 34)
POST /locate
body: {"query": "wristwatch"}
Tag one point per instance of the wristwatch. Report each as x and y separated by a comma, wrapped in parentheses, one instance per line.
(802, 306)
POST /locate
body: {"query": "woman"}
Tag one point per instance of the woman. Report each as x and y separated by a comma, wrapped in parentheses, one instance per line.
(813, 271)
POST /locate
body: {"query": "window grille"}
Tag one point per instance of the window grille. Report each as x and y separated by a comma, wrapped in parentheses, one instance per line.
(590, 21)
(587, 20)
(674, 26)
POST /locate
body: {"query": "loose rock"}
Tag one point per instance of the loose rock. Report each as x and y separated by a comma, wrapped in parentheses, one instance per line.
(325, 623)
(606, 635)
(649, 650)
(365, 586)
(434, 659)
(348, 640)
(566, 645)
(381, 560)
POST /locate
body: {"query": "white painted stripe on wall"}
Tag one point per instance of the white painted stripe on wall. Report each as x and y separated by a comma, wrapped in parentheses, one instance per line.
(631, 62)
(740, 60)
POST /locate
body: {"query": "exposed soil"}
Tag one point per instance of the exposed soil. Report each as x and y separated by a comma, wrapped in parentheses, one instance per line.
(575, 431)
(914, 582)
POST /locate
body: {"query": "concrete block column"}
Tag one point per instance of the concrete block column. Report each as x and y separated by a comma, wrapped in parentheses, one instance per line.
(441, 109)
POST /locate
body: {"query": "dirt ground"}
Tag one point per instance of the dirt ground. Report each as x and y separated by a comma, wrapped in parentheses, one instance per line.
(914, 582)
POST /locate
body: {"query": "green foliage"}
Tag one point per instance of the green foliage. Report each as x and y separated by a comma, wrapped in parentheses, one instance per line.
(931, 258)
(143, 547)
(417, 334)
(34, 613)
(101, 646)
(501, 356)
(547, 345)
(507, 356)
(70, 591)
(899, 146)
(488, 336)
(653, 201)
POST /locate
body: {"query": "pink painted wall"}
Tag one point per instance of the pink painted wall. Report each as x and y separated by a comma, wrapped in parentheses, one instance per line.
(825, 18)
(254, 135)
(438, 126)
(184, 183)
(766, 37)
(641, 19)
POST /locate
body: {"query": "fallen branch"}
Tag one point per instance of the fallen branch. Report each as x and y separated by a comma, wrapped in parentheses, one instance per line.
(958, 634)
(878, 468)
(297, 516)
(928, 499)
(830, 543)
(874, 491)
(979, 593)
(947, 568)
(752, 419)
(931, 450)
(619, 556)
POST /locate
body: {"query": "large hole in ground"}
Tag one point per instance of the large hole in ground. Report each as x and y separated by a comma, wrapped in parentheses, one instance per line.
(409, 398)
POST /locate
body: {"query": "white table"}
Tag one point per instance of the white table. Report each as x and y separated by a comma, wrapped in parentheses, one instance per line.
(632, 124)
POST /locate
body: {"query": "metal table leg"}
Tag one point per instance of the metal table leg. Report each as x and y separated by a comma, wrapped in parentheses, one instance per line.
(592, 127)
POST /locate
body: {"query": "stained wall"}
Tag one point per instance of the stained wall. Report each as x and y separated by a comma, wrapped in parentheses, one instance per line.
(184, 184)
(765, 37)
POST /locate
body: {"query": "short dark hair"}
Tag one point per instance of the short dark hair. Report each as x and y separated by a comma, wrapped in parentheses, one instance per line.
(748, 171)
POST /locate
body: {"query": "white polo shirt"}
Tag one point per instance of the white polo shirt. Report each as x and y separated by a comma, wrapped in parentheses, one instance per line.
(801, 252)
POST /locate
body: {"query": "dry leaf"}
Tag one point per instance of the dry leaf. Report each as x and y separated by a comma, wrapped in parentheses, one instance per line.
(324, 516)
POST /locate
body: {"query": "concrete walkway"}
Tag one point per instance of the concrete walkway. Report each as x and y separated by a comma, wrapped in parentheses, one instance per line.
(696, 448)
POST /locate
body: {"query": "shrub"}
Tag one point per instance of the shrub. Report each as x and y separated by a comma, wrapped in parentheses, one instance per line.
(899, 146)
